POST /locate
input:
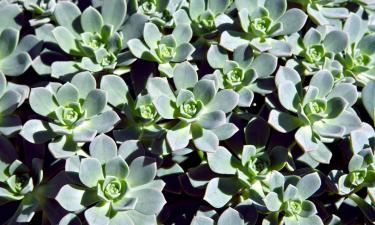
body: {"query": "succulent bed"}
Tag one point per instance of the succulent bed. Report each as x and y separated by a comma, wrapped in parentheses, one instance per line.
(187, 112)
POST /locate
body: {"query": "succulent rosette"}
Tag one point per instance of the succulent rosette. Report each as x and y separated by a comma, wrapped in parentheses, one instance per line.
(205, 17)
(325, 12)
(264, 26)
(322, 111)
(115, 187)
(177, 112)
(15, 55)
(95, 44)
(317, 50)
(288, 196)
(358, 58)
(197, 109)
(75, 115)
(166, 50)
(247, 169)
(246, 73)
(141, 115)
(11, 97)
(158, 11)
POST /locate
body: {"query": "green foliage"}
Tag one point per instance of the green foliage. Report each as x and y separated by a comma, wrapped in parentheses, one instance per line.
(174, 112)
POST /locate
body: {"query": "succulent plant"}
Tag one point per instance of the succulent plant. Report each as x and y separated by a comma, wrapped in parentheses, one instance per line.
(114, 187)
(166, 50)
(75, 115)
(321, 111)
(96, 41)
(201, 112)
(360, 173)
(263, 25)
(325, 12)
(246, 73)
(197, 110)
(141, 114)
(248, 170)
(14, 60)
(240, 214)
(288, 195)
(159, 12)
(204, 16)
(317, 50)
(11, 97)
(357, 60)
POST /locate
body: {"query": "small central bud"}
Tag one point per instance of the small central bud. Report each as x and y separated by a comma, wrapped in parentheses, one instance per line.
(234, 77)
(260, 26)
(362, 60)
(70, 116)
(190, 108)
(113, 189)
(107, 60)
(149, 6)
(315, 107)
(21, 181)
(315, 53)
(165, 52)
(147, 111)
(357, 177)
(293, 207)
(207, 21)
(257, 166)
(92, 40)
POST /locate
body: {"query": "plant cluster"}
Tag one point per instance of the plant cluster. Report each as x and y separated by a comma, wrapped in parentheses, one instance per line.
(187, 112)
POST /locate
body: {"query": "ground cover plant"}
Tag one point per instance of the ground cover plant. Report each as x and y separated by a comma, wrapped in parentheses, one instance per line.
(187, 112)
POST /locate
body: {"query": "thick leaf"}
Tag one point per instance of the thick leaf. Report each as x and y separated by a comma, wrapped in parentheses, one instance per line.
(149, 201)
(142, 170)
(66, 15)
(90, 172)
(152, 35)
(272, 202)
(97, 215)
(276, 8)
(184, 76)
(288, 96)
(67, 94)
(114, 12)
(368, 99)
(65, 39)
(91, 20)
(224, 100)
(212, 120)
(178, 137)
(205, 140)
(8, 42)
(265, 64)
(230, 217)
(293, 20)
(70, 198)
(42, 101)
(182, 34)
(15, 64)
(117, 167)
(304, 137)
(283, 122)
(336, 41)
(308, 185)
(204, 90)
(216, 57)
(103, 148)
(95, 102)
(219, 191)
(222, 161)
